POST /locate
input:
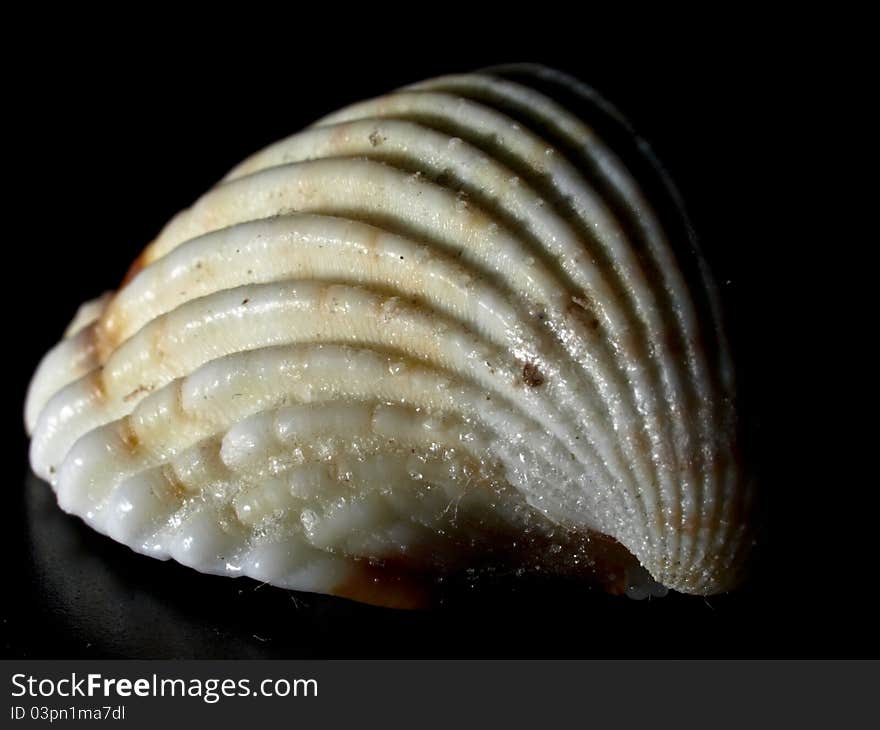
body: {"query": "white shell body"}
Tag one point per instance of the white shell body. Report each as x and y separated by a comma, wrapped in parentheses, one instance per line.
(435, 326)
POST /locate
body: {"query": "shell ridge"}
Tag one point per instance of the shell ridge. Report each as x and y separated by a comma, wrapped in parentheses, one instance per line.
(150, 451)
(170, 239)
(176, 335)
(281, 171)
(124, 407)
(347, 135)
(443, 105)
(708, 289)
(546, 113)
(249, 543)
(132, 383)
(484, 297)
(630, 193)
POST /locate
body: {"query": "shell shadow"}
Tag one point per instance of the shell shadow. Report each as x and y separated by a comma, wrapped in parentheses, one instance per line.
(90, 596)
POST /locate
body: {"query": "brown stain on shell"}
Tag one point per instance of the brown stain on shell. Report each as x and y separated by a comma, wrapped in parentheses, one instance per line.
(385, 586)
(107, 327)
(140, 390)
(532, 376)
(583, 310)
(176, 488)
(98, 383)
(138, 265)
(128, 435)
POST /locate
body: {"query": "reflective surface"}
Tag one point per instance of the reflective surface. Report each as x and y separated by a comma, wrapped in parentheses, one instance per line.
(89, 596)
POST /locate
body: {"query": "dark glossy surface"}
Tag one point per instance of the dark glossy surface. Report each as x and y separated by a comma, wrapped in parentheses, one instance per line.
(91, 596)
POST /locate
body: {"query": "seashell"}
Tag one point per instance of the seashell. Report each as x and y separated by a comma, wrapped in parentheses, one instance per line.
(442, 330)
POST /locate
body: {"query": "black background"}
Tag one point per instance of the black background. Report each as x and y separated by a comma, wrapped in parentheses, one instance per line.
(114, 136)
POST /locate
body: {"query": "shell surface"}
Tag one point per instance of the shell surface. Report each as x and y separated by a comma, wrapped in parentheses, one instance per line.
(440, 329)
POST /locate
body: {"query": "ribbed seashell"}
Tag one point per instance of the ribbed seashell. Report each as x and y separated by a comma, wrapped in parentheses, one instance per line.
(442, 329)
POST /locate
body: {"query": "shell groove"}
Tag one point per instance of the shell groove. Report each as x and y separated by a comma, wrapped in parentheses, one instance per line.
(443, 327)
